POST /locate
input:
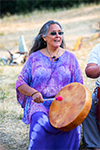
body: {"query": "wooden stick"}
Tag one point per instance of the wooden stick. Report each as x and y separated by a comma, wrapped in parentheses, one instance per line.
(59, 98)
(49, 99)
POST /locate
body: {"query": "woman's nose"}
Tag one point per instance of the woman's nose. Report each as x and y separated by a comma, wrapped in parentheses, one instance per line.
(57, 34)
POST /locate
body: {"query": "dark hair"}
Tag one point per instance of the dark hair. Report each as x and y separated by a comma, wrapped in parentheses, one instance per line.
(39, 42)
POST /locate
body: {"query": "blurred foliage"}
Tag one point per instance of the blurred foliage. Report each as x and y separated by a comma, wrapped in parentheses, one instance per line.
(24, 6)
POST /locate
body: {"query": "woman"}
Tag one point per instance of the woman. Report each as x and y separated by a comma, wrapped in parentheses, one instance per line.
(90, 129)
(47, 70)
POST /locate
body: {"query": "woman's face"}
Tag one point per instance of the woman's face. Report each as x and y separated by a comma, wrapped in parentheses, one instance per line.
(54, 36)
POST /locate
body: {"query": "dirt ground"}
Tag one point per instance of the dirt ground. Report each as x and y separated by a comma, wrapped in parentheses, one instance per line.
(81, 34)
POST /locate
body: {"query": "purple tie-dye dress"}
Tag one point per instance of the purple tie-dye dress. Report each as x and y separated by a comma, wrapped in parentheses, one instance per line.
(49, 78)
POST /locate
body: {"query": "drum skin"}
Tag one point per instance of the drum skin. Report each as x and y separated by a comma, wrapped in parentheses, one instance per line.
(67, 114)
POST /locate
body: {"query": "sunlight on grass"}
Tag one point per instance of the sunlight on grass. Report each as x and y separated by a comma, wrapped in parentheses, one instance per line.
(76, 22)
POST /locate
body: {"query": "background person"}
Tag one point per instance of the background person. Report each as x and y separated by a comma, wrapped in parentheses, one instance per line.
(47, 70)
(90, 130)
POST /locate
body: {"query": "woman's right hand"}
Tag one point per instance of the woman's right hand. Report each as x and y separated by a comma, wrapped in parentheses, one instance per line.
(38, 98)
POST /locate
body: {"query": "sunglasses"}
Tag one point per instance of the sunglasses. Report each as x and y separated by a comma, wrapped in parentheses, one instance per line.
(55, 33)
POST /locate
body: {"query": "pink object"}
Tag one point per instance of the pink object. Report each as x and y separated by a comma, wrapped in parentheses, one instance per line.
(59, 98)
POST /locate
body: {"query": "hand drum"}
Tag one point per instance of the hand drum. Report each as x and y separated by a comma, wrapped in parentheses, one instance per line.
(67, 114)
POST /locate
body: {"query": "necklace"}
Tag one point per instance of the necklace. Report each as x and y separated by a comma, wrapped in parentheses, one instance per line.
(53, 57)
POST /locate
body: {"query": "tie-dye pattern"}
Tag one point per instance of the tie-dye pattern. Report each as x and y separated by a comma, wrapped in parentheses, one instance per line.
(48, 78)
(43, 136)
